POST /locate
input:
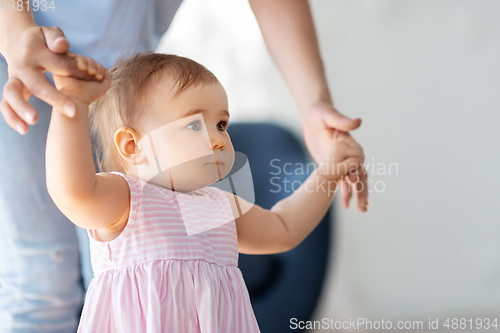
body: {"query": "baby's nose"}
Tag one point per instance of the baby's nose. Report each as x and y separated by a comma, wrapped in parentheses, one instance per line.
(216, 141)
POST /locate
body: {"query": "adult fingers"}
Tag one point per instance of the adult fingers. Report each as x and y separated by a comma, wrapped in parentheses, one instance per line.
(346, 193)
(14, 96)
(42, 89)
(342, 136)
(362, 189)
(55, 39)
(56, 58)
(333, 119)
(12, 119)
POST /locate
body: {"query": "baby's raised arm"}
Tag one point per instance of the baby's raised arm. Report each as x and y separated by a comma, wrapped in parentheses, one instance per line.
(291, 220)
(89, 200)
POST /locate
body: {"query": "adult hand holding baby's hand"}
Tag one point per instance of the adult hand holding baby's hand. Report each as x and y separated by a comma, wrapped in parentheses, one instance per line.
(344, 165)
(344, 156)
(84, 91)
(30, 50)
(323, 126)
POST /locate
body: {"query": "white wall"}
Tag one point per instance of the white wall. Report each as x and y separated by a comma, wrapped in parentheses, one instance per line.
(424, 76)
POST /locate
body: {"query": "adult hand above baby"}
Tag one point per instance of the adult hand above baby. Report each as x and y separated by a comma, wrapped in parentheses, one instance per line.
(84, 91)
(30, 51)
(321, 125)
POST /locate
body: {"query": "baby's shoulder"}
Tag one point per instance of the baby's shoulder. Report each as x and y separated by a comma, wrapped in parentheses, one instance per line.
(114, 230)
(119, 211)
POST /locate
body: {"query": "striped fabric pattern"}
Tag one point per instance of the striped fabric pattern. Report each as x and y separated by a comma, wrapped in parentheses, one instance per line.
(154, 277)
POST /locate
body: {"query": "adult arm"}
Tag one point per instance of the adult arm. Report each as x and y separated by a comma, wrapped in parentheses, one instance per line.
(288, 30)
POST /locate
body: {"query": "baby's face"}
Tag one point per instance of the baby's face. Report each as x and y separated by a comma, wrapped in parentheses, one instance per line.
(185, 139)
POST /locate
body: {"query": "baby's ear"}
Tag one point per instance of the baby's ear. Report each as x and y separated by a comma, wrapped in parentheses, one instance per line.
(126, 142)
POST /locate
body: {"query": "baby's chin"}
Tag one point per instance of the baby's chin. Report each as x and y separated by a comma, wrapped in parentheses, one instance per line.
(190, 179)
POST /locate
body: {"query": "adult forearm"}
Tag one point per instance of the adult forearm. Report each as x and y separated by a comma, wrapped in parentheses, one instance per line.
(70, 169)
(302, 211)
(288, 30)
(12, 24)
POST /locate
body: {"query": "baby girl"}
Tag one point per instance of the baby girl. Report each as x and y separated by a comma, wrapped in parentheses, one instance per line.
(164, 243)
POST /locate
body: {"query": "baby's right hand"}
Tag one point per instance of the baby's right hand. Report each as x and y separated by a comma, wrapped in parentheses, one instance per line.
(85, 91)
(344, 156)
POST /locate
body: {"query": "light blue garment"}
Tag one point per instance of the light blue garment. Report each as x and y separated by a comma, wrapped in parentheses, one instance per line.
(108, 29)
(40, 280)
(42, 258)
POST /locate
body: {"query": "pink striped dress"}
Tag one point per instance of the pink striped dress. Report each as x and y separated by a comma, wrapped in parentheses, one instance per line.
(154, 277)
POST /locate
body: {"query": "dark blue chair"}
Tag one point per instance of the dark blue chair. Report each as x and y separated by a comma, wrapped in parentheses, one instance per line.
(286, 285)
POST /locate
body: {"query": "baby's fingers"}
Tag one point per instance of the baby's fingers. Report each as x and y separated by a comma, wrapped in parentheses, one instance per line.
(81, 62)
(91, 66)
(355, 149)
(71, 55)
(87, 64)
(349, 164)
(100, 72)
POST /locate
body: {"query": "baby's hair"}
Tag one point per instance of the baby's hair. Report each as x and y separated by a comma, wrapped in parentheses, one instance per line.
(123, 103)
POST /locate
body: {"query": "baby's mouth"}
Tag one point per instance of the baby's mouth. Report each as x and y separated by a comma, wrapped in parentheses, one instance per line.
(218, 164)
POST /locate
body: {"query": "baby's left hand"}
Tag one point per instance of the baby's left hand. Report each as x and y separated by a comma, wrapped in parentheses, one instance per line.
(345, 156)
(85, 91)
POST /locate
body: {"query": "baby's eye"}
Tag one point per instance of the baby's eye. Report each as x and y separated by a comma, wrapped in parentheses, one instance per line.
(222, 126)
(195, 125)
